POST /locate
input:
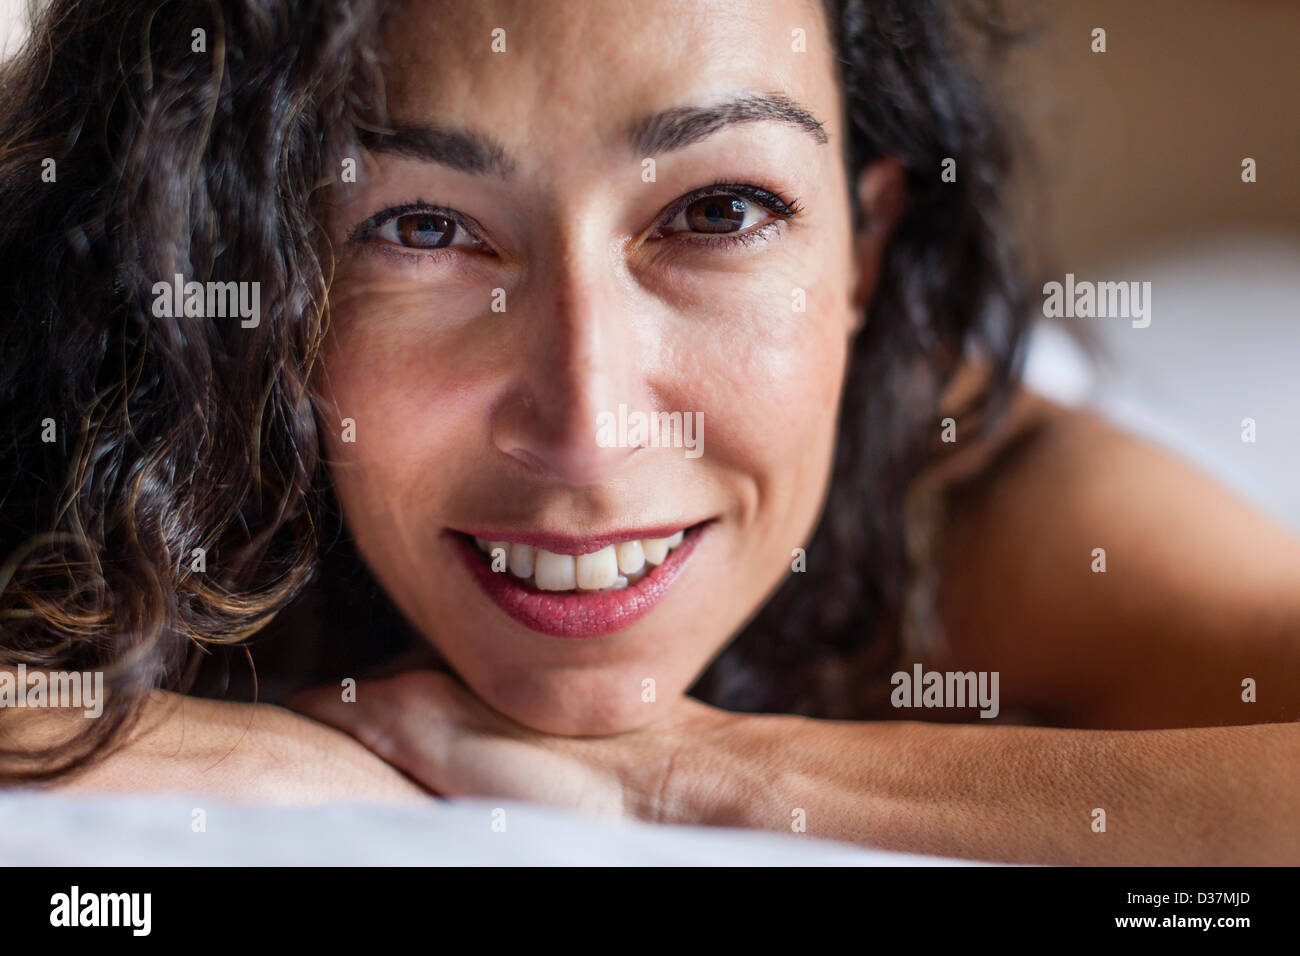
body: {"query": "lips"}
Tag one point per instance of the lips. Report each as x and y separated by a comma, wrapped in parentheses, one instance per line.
(577, 614)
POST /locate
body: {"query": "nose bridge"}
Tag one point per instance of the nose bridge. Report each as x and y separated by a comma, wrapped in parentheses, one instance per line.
(582, 360)
(583, 366)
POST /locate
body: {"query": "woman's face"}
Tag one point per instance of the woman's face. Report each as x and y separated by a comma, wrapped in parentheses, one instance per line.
(543, 254)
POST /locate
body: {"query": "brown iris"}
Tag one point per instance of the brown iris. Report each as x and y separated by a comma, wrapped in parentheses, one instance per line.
(716, 214)
(425, 230)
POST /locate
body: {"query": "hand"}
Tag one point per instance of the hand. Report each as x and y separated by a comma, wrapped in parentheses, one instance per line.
(441, 734)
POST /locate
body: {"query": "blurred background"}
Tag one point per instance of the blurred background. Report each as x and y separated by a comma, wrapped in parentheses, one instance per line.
(1136, 175)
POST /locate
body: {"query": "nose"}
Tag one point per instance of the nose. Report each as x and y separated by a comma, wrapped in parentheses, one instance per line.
(577, 361)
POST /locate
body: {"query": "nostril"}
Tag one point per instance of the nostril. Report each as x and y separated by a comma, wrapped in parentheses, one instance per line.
(530, 460)
(572, 461)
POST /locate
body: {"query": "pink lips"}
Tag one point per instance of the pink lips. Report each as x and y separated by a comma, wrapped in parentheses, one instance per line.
(578, 614)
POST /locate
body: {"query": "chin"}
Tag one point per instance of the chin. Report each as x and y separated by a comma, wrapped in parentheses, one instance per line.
(578, 705)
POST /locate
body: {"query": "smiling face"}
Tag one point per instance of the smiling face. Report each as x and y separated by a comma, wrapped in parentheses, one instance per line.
(612, 214)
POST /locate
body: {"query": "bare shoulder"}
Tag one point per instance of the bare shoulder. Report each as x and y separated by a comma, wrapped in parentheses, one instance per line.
(1113, 584)
(236, 751)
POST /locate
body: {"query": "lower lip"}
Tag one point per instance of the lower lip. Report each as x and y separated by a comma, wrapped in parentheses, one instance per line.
(577, 614)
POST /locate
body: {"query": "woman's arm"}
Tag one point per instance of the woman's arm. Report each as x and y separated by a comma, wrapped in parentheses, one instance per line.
(235, 751)
(1206, 795)
(1221, 795)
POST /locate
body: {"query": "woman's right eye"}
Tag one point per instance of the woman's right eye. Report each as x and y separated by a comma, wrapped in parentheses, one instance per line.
(423, 230)
(417, 227)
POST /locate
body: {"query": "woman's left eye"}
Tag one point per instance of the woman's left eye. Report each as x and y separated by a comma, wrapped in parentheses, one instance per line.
(721, 213)
(730, 214)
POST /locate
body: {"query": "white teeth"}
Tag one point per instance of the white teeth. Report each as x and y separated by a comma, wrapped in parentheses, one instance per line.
(631, 557)
(611, 568)
(598, 569)
(554, 572)
(656, 549)
(521, 560)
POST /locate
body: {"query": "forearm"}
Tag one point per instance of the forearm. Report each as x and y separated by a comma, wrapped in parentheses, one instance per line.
(229, 750)
(1207, 795)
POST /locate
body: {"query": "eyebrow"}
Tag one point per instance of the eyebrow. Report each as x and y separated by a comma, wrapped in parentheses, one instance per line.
(461, 149)
(683, 125)
(473, 152)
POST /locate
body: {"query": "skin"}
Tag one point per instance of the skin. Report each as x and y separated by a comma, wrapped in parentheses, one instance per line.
(468, 416)
(246, 752)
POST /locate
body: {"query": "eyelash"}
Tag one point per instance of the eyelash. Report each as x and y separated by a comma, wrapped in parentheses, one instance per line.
(362, 233)
(781, 208)
(784, 211)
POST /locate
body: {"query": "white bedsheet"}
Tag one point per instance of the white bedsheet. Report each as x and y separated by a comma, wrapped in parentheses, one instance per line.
(91, 830)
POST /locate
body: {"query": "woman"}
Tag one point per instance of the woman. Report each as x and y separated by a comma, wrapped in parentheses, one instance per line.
(487, 237)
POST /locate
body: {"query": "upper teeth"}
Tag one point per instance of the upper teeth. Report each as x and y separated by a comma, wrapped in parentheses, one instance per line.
(614, 566)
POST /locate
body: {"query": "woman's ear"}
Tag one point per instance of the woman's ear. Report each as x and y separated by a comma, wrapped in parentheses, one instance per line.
(880, 193)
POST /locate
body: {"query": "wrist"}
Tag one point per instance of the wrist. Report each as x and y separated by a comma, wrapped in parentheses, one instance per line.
(724, 774)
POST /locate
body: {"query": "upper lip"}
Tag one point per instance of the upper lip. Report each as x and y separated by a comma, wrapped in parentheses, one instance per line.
(572, 544)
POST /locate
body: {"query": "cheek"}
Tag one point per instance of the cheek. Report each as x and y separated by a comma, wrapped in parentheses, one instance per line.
(776, 340)
(397, 355)
(393, 394)
(770, 390)
(770, 378)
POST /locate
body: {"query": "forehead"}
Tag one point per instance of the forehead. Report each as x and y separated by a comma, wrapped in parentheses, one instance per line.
(586, 71)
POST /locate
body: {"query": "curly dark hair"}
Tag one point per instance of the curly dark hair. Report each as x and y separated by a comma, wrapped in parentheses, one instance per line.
(126, 155)
(913, 74)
